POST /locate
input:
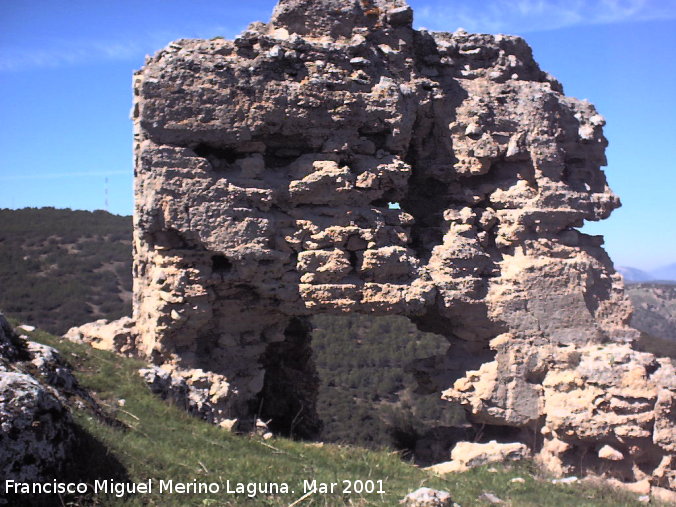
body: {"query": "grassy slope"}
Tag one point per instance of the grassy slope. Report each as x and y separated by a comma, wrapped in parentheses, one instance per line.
(163, 442)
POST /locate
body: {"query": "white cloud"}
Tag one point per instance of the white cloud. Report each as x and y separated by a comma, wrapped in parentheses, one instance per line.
(509, 16)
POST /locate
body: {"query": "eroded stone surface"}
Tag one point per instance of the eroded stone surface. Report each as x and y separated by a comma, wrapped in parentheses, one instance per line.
(264, 169)
(201, 393)
(427, 497)
(117, 335)
(36, 429)
(466, 455)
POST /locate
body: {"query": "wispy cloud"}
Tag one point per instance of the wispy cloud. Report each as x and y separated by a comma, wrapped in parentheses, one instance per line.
(510, 16)
(63, 175)
(68, 52)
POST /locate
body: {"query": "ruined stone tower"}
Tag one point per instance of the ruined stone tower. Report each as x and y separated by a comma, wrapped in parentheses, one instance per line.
(267, 169)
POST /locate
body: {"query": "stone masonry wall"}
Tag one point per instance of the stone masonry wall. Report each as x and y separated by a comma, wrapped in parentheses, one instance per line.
(264, 171)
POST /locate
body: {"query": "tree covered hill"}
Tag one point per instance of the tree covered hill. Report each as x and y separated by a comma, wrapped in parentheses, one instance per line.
(366, 396)
(60, 268)
(654, 309)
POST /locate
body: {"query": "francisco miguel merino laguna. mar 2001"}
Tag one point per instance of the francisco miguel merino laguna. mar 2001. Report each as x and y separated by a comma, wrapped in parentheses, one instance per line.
(121, 489)
(250, 489)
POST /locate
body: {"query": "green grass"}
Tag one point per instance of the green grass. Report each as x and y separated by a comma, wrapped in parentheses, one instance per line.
(162, 442)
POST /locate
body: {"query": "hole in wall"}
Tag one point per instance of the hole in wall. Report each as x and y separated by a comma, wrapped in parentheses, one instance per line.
(288, 397)
(220, 264)
(377, 135)
(368, 398)
(281, 150)
(354, 260)
(219, 158)
(170, 238)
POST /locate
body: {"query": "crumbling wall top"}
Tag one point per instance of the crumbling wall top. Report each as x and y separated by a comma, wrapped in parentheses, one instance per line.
(336, 19)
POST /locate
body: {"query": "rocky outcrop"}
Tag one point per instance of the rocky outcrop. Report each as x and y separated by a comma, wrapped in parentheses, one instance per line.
(611, 408)
(603, 408)
(36, 429)
(427, 497)
(336, 160)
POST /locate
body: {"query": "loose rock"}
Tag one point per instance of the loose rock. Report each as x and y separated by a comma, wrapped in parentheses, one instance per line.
(427, 497)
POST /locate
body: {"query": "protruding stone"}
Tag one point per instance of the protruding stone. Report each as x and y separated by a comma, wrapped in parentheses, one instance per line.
(400, 16)
(490, 498)
(466, 455)
(610, 453)
(116, 335)
(36, 429)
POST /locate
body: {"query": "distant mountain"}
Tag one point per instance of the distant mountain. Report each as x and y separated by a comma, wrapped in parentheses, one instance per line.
(635, 275)
(665, 273)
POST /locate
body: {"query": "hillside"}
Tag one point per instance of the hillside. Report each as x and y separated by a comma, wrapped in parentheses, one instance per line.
(367, 397)
(160, 442)
(60, 268)
(655, 316)
(665, 274)
(654, 308)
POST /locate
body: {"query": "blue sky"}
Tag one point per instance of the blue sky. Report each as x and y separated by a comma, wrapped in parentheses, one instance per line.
(65, 93)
